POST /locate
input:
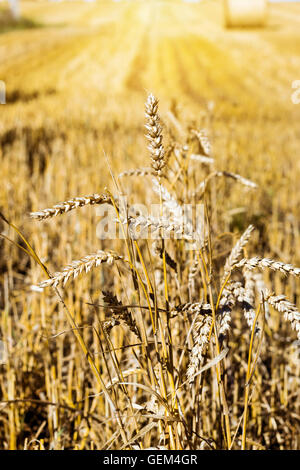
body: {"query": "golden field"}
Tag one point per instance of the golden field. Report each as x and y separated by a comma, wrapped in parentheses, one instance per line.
(77, 76)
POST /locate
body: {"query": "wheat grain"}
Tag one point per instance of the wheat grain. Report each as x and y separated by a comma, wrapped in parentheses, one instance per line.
(250, 285)
(137, 172)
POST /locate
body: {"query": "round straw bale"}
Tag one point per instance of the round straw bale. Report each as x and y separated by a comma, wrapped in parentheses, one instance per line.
(245, 13)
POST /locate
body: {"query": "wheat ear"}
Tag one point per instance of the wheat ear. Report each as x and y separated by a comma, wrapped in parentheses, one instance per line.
(282, 305)
(70, 205)
(204, 143)
(196, 308)
(201, 332)
(154, 135)
(179, 230)
(227, 302)
(77, 267)
(267, 263)
(217, 174)
(246, 298)
(118, 312)
(236, 252)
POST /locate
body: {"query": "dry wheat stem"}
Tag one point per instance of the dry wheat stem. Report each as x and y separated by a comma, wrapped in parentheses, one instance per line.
(70, 205)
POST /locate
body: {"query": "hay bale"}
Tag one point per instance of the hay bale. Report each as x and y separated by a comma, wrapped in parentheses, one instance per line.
(245, 13)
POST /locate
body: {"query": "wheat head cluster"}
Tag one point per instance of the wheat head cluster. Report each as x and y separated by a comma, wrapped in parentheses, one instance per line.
(177, 307)
(175, 351)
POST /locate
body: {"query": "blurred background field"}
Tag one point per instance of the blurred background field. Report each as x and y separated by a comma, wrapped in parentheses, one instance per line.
(76, 76)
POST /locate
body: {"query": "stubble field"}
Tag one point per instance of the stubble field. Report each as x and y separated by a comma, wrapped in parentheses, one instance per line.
(77, 77)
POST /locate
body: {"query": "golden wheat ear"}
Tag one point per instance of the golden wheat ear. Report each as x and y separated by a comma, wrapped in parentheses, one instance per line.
(154, 135)
(201, 333)
(267, 263)
(70, 205)
(84, 264)
(289, 310)
(237, 251)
